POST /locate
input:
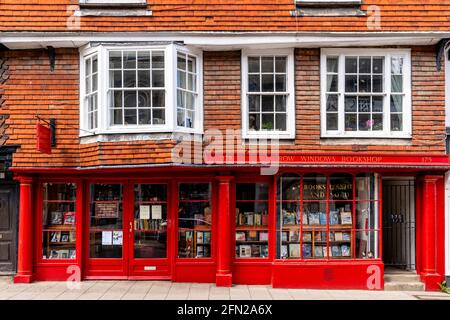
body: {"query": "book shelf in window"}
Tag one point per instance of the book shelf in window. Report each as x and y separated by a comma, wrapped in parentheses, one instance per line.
(252, 220)
(194, 220)
(59, 221)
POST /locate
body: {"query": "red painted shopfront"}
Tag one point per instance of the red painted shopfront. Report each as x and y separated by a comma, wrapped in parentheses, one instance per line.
(317, 223)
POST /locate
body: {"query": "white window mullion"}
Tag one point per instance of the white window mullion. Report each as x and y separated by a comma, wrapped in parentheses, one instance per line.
(341, 94)
(387, 110)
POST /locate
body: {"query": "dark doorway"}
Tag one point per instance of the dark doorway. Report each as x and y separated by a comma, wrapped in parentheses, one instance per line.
(399, 223)
(8, 228)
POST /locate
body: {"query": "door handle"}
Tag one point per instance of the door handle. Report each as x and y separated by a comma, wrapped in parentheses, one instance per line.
(131, 227)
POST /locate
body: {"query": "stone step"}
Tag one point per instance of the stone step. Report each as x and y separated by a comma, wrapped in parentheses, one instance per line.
(406, 277)
(404, 286)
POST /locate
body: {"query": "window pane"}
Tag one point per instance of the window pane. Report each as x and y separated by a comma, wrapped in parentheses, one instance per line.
(332, 83)
(158, 78)
(280, 64)
(88, 67)
(254, 103)
(377, 104)
(181, 99)
(253, 64)
(192, 62)
(194, 221)
(144, 78)
(397, 65)
(88, 85)
(396, 103)
(314, 187)
(94, 82)
(351, 83)
(350, 122)
(116, 117)
(288, 187)
(115, 60)
(280, 121)
(253, 83)
(181, 117)
(129, 60)
(254, 121)
(280, 103)
(364, 84)
(130, 99)
(181, 61)
(364, 104)
(150, 221)
(58, 221)
(377, 83)
(106, 229)
(267, 83)
(181, 79)
(350, 104)
(115, 79)
(365, 65)
(158, 60)
(341, 187)
(129, 77)
(159, 116)
(115, 99)
(191, 82)
(190, 118)
(332, 121)
(144, 99)
(396, 122)
(366, 244)
(377, 120)
(365, 123)
(332, 103)
(397, 83)
(267, 121)
(267, 103)
(190, 100)
(130, 116)
(280, 83)
(144, 116)
(158, 99)
(351, 65)
(332, 64)
(378, 65)
(267, 64)
(144, 59)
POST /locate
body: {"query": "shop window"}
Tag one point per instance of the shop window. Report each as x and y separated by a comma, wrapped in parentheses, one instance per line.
(268, 86)
(140, 89)
(327, 217)
(366, 93)
(150, 221)
(58, 221)
(194, 220)
(252, 220)
(106, 221)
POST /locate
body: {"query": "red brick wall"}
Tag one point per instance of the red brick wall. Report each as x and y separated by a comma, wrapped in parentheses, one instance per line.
(33, 89)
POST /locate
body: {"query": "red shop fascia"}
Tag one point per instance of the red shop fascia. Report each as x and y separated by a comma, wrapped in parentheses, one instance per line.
(226, 224)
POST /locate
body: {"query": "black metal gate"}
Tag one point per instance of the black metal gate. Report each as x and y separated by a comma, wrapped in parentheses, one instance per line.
(399, 224)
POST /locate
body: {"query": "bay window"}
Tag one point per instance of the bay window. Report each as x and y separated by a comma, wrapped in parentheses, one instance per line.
(366, 93)
(268, 93)
(140, 89)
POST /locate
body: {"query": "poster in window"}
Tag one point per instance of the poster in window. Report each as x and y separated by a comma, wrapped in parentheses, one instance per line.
(106, 238)
(117, 238)
(107, 209)
(156, 212)
(144, 212)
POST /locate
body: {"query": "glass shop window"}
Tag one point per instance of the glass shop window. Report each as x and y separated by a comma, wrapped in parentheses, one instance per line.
(327, 217)
(252, 220)
(194, 220)
(106, 221)
(59, 221)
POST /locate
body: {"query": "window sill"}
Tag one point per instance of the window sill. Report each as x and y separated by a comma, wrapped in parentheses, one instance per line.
(365, 136)
(125, 12)
(366, 141)
(129, 137)
(268, 135)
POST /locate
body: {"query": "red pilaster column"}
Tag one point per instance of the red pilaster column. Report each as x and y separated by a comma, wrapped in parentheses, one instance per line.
(428, 228)
(223, 274)
(25, 245)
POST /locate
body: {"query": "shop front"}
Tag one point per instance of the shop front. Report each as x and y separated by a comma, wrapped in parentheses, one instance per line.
(317, 226)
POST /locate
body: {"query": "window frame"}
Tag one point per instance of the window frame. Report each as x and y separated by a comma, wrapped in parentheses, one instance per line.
(170, 82)
(290, 91)
(118, 3)
(387, 53)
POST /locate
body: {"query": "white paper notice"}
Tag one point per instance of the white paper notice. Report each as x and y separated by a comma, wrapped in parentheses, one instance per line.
(117, 237)
(106, 238)
(144, 212)
(156, 212)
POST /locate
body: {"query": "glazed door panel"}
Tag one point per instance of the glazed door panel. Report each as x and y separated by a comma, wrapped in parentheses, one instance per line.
(149, 240)
(8, 226)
